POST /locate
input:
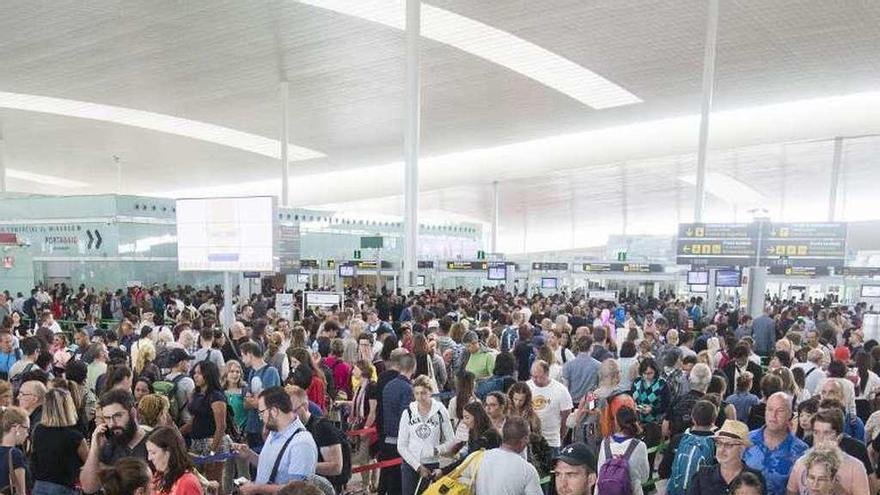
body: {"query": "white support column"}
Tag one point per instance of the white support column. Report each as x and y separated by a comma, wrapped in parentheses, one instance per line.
(706, 107)
(496, 216)
(2, 161)
(835, 178)
(227, 314)
(783, 168)
(624, 203)
(411, 144)
(285, 138)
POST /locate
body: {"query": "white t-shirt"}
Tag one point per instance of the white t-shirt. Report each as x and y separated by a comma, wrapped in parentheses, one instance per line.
(503, 472)
(548, 403)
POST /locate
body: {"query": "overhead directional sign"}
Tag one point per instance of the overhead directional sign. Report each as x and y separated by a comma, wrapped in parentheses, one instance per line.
(716, 244)
(622, 268)
(804, 244)
(781, 244)
(550, 267)
(800, 271)
(467, 265)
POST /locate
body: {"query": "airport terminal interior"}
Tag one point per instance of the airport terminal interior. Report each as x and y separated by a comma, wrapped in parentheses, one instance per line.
(483, 247)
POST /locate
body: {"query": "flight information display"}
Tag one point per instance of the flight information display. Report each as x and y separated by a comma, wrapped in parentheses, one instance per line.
(226, 234)
(727, 278)
(698, 278)
(497, 271)
(549, 283)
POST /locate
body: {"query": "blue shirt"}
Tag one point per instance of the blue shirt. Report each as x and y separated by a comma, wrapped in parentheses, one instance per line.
(259, 380)
(775, 464)
(396, 397)
(581, 374)
(7, 360)
(298, 461)
(852, 425)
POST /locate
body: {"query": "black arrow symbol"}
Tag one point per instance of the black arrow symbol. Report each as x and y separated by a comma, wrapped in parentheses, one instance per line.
(91, 239)
(98, 237)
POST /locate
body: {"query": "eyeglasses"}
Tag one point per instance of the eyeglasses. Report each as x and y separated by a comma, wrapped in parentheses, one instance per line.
(260, 412)
(114, 418)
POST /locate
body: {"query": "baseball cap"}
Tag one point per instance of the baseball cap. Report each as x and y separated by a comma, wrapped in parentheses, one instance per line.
(842, 354)
(578, 454)
(177, 355)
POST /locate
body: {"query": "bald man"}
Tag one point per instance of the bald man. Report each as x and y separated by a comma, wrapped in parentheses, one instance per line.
(774, 448)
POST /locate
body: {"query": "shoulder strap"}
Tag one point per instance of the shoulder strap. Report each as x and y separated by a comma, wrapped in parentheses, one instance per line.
(814, 368)
(606, 446)
(274, 473)
(12, 488)
(631, 448)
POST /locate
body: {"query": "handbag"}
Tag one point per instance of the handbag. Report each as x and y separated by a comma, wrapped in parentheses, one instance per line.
(449, 484)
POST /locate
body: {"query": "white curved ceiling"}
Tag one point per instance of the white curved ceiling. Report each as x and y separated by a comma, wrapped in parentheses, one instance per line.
(494, 45)
(219, 63)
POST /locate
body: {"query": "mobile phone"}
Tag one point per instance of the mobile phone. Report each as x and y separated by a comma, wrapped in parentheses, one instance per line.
(240, 481)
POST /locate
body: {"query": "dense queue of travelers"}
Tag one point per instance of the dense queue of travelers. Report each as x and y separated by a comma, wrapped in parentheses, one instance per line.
(485, 392)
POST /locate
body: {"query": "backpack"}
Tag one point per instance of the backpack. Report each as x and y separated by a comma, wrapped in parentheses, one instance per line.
(169, 390)
(614, 474)
(693, 451)
(494, 383)
(508, 339)
(18, 379)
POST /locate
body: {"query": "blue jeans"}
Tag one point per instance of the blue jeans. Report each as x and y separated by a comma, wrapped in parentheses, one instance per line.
(409, 478)
(48, 488)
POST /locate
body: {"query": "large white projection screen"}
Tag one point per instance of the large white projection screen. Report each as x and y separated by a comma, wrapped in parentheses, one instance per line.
(226, 234)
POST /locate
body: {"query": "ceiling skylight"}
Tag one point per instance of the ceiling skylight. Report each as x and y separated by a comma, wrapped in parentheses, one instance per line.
(727, 189)
(168, 124)
(494, 45)
(48, 180)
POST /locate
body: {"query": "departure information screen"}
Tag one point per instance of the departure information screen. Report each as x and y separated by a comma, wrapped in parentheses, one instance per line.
(226, 234)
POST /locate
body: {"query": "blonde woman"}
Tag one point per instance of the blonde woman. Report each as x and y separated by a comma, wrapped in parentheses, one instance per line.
(153, 411)
(143, 363)
(59, 447)
(235, 389)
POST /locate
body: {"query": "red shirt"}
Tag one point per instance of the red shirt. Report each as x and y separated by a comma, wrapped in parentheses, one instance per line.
(187, 484)
(317, 393)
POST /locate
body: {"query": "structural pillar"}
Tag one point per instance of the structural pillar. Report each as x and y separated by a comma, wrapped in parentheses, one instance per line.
(285, 137)
(835, 178)
(227, 314)
(624, 205)
(496, 216)
(706, 107)
(411, 144)
(2, 161)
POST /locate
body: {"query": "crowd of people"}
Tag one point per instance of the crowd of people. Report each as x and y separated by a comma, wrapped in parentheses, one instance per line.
(497, 392)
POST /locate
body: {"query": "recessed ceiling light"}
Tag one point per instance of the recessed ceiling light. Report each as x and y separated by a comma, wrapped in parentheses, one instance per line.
(168, 124)
(494, 45)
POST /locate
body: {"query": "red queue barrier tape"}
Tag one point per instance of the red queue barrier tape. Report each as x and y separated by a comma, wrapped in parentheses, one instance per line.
(365, 431)
(379, 465)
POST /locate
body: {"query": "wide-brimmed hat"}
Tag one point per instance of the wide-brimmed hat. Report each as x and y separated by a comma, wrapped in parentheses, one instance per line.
(736, 430)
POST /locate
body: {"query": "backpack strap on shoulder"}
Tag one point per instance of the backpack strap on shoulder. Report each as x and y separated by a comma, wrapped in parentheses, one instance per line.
(633, 443)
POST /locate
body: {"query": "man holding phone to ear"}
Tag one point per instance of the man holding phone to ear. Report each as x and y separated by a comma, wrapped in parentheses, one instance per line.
(117, 435)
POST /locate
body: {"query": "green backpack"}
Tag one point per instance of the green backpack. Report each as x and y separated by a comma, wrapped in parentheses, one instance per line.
(169, 390)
